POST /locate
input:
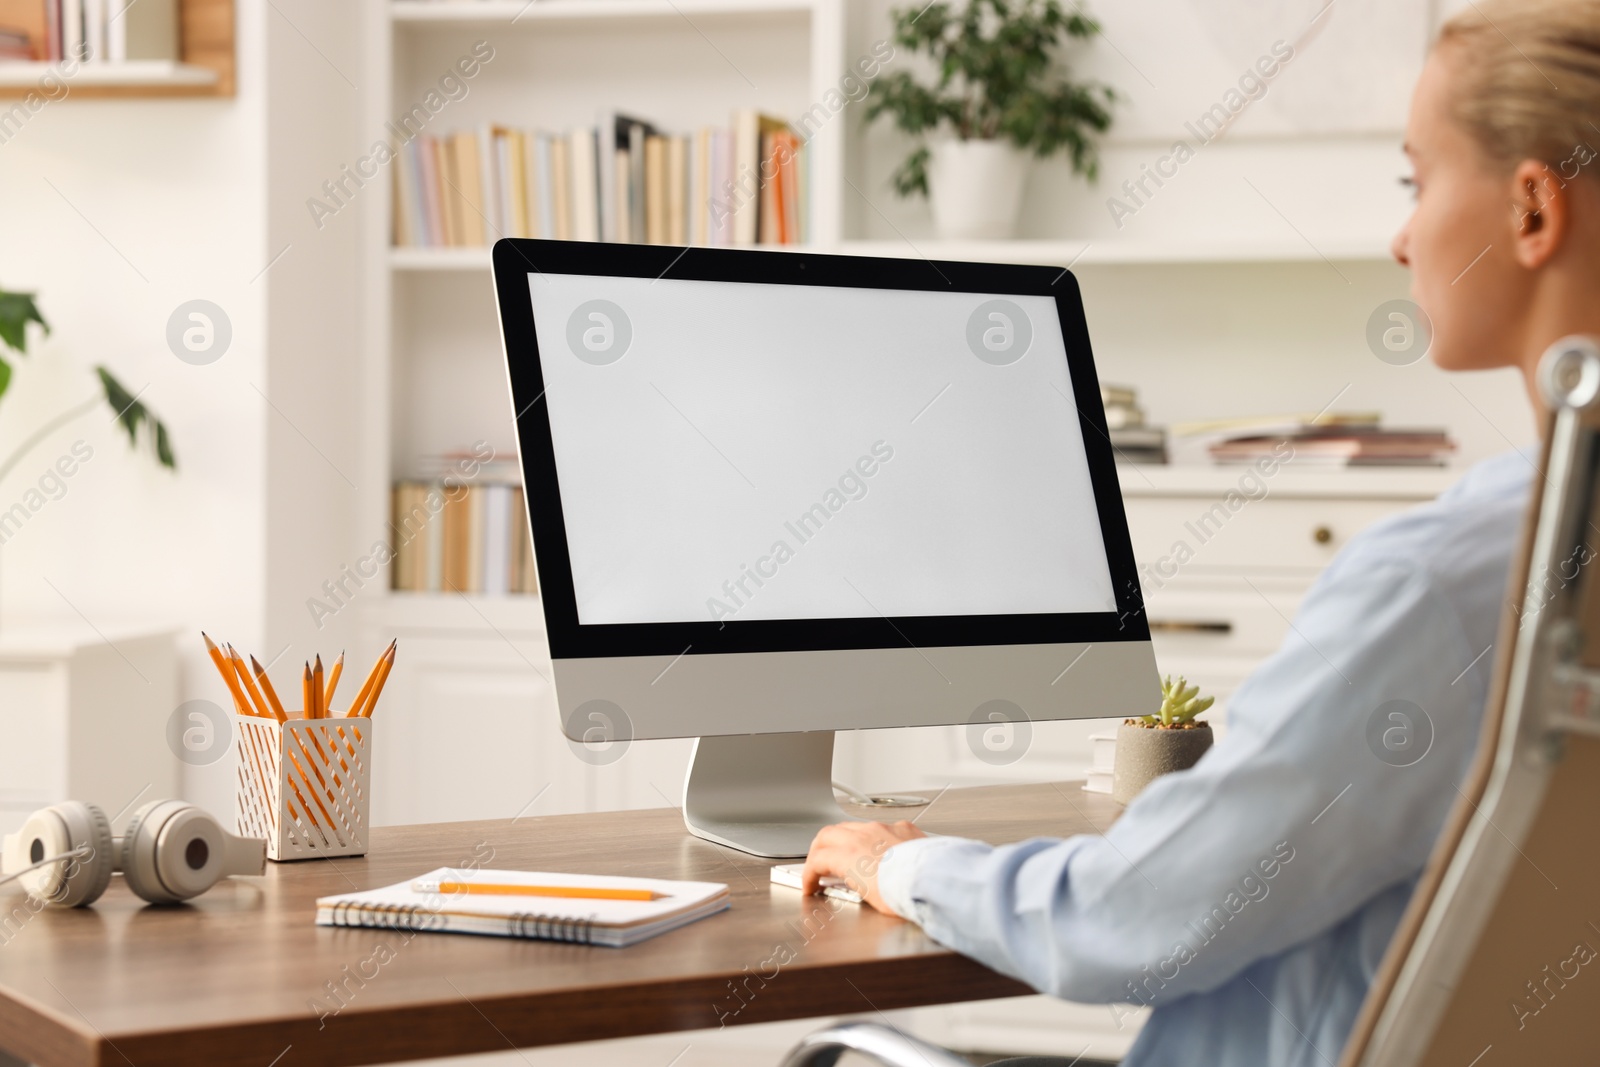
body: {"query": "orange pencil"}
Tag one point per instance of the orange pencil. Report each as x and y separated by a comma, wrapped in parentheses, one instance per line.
(317, 687)
(266, 688)
(377, 687)
(333, 683)
(307, 702)
(239, 703)
(573, 892)
(257, 701)
(366, 686)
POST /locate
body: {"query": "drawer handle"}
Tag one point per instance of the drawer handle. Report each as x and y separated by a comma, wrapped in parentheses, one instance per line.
(1190, 626)
(1322, 535)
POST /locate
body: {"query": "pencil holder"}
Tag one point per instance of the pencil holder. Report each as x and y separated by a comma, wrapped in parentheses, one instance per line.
(304, 785)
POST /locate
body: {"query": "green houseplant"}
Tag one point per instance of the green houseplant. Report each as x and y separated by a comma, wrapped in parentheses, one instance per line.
(1170, 739)
(999, 93)
(17, 313)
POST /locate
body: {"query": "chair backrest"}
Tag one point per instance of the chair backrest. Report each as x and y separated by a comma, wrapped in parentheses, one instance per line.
(1497, 960)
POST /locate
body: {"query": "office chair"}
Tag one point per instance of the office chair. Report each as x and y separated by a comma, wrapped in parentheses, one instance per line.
(1497, 958)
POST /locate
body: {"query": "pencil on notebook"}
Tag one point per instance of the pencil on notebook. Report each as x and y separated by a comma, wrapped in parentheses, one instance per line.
(571, 892)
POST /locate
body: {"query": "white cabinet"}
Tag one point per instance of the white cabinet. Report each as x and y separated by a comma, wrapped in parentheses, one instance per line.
(84, 716)
(1225, 560)
(468, 726)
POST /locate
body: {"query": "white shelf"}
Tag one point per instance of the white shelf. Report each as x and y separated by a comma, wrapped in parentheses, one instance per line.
(523, 12)
(1112, 251)
(439, 258)
(514, 615)
(1394, 483)
(145, 73)
(1051, 253)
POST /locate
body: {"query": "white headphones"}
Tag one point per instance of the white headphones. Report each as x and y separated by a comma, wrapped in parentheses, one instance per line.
(171, 851)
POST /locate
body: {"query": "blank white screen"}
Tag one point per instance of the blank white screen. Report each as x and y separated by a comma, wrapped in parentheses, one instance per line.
(716, 469)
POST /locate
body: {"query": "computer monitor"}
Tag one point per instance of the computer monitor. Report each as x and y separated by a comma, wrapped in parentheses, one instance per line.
(774, 495)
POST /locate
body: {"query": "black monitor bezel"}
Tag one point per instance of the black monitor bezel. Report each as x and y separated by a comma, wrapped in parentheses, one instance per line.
(514, 261)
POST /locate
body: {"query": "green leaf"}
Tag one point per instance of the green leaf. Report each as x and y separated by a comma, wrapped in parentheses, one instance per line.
(131, 413)
(164, 447)
(16, 311)
(5, 376)
(1000, 76)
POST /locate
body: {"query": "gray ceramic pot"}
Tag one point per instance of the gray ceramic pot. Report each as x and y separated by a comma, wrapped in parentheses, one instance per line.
(1145, 753)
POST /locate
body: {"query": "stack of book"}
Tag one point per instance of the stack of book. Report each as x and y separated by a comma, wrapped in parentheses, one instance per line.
(624, 180)
(1339, 441)
(1133, 441)
(476, 542)
(48, 31)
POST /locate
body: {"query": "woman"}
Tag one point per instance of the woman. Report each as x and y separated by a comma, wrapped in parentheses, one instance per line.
(1249, 900)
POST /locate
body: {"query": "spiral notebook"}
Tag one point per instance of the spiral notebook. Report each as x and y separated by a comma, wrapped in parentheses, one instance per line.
(613, 923)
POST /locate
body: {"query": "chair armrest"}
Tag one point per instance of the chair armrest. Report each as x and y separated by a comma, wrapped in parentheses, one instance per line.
(884, 1044)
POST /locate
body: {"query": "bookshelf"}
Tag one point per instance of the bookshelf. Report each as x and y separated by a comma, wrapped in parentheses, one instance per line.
(205, 67)
(1062, 253)
(433, 342)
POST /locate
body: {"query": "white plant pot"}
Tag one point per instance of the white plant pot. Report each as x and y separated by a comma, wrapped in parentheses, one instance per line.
(976, 188)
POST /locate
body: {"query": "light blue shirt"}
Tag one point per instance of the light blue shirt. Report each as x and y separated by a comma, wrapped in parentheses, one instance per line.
(1249, 900)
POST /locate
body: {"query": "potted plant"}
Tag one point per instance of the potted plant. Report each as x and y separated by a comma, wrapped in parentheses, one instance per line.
(1153, 745)
(17, 310)
(998, 96)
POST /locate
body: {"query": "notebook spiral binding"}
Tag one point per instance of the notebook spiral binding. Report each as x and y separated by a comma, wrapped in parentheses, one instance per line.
(550, 928)
(387, 916)
(417, 917)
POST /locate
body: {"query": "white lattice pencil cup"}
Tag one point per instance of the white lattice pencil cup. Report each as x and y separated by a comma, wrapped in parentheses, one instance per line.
(304, 785)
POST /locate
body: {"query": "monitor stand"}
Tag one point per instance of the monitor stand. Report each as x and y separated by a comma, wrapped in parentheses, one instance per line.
(765, 794)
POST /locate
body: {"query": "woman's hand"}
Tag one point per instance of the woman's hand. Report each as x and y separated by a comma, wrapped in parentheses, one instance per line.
(852, 851)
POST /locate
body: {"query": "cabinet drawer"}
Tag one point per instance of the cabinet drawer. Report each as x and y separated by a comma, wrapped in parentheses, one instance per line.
(1221, 616)
(1172, 535)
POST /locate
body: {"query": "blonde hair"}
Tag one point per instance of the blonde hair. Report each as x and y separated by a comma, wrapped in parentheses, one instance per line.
(1528, 79)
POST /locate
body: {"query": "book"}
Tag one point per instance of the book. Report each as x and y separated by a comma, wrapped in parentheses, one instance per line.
(700, 180)
(26, 24)
(583, 187)
(677, 191)
(456, 564)
(1335, 445)
(609, 923)
(496, 565)
(621, 206)
(145, 29)
(562, 170)
(94, 28)
(470, 187)
(540, 197)
(72, 28)
(655, 190)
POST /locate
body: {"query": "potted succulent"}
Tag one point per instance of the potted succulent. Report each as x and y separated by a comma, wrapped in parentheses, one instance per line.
(998, 96)
(1170, 740)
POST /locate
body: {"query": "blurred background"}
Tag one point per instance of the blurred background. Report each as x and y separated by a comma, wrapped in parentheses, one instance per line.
(268, 221)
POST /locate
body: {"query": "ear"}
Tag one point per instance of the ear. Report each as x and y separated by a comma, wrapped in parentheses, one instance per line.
(1541, 213)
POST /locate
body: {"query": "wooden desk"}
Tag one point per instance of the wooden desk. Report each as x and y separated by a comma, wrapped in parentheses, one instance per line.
(243, 973)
